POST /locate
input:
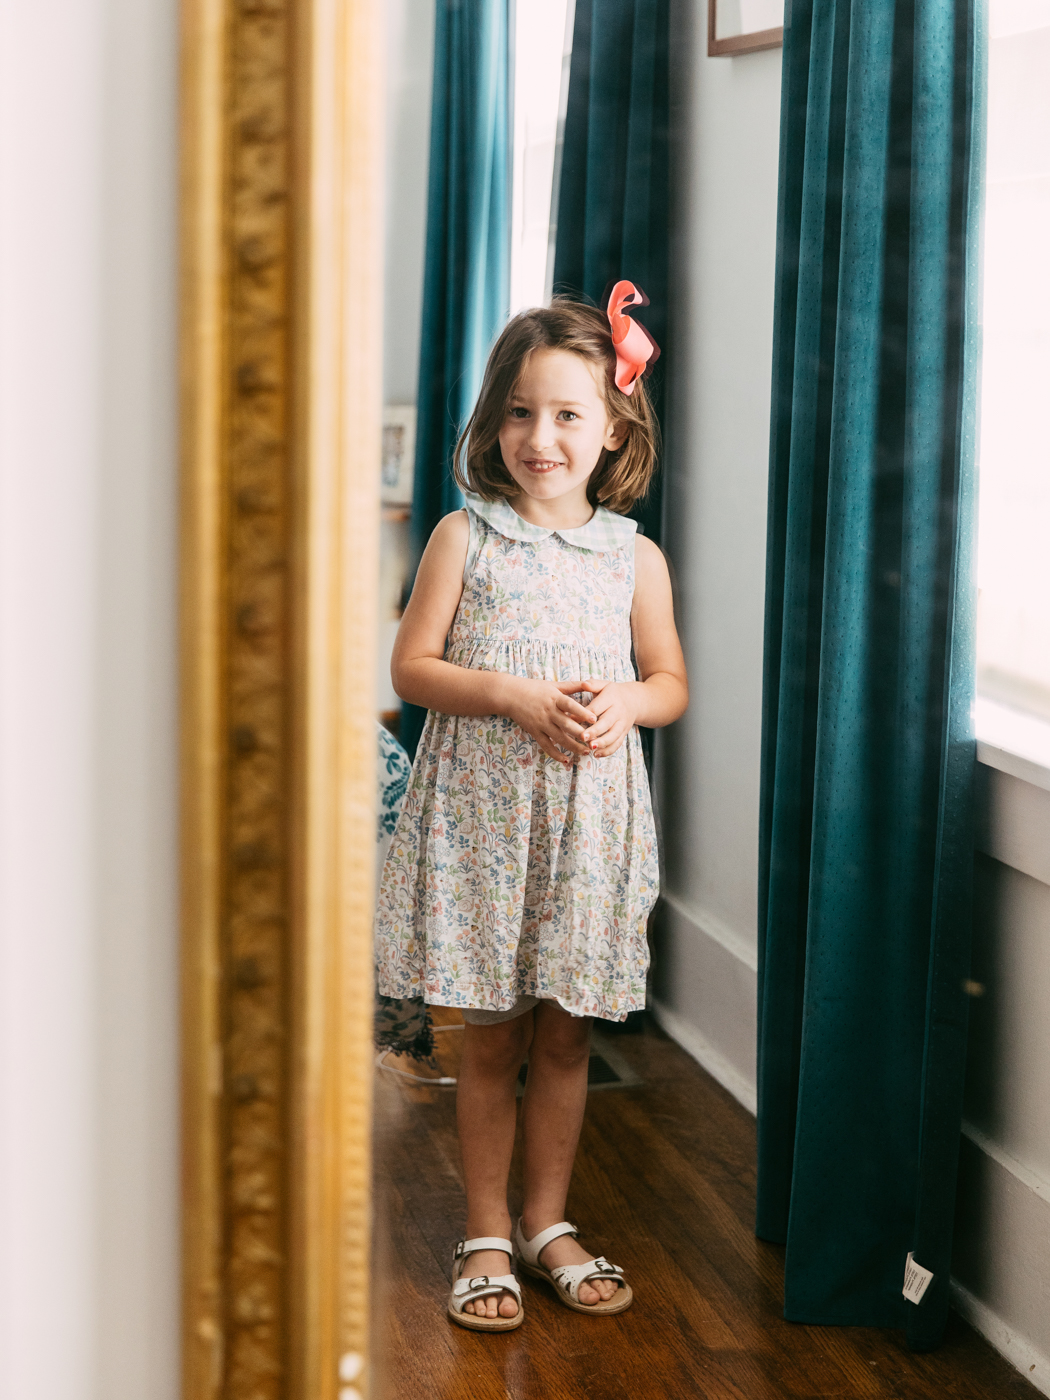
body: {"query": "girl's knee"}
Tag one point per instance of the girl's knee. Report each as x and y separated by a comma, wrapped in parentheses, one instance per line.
(501, 1046)
(561, 1039)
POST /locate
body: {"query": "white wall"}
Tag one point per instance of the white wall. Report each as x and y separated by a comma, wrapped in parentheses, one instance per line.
(726, 120)
(88, 974)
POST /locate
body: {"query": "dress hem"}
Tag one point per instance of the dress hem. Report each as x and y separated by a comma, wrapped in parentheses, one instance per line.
(604, 1013)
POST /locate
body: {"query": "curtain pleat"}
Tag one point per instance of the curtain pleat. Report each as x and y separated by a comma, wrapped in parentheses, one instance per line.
(466, 278)
(612, 197)
(868, 753)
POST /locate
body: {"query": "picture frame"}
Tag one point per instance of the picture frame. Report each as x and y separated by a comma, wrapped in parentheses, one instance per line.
(399, 453)
(743, 26)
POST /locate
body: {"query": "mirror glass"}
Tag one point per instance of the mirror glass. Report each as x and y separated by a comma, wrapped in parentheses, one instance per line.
(664, 1184)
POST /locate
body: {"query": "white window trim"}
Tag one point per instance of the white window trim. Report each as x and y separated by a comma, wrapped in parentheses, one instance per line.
(1013, 790)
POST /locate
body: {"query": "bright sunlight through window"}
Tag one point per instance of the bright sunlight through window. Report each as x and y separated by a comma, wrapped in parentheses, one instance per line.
(542, 43)
(1013, 630)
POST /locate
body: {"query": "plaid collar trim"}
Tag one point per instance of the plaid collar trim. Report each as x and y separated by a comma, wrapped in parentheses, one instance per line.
(604, 532)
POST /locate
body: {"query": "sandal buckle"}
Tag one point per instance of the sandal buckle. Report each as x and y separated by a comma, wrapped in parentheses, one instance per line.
(482, 1281)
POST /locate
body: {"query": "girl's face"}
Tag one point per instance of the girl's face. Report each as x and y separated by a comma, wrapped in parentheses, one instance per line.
(557, 427)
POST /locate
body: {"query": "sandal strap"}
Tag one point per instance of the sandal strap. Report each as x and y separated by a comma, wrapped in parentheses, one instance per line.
(530, 1249)
(571, 1276)
(465, 1290)
(465, 1247)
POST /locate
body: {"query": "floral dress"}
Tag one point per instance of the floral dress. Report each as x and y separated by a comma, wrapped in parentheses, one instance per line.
(510, 874)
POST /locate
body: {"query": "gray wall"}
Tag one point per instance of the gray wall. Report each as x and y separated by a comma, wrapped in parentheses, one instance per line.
(726, 123)
(88, 947)
(1001, 1264)
(409, 74)
(410, 60)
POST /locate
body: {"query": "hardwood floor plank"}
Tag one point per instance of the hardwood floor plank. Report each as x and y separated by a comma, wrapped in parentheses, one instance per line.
(665, 1187)
(698, 1278)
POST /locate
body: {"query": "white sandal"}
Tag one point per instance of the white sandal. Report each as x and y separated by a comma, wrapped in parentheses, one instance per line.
(466, 1290)
(566, 1279)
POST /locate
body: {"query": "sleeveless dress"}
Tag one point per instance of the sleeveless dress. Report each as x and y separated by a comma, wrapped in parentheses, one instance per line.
(509, 874)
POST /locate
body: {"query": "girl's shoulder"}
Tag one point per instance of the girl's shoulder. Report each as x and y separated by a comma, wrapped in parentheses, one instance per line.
(650, 566)
(447, 547)
(646, 550)
(452, 528)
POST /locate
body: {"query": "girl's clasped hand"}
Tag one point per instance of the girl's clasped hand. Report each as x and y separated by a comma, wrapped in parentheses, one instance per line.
(563, 727)
(616, 715)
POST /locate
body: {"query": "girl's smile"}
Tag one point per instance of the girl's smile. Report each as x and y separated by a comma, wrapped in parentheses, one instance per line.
(555, 434)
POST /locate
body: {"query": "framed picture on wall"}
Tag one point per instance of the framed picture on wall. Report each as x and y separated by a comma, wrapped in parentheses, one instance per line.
(399, 453)
(743, 26)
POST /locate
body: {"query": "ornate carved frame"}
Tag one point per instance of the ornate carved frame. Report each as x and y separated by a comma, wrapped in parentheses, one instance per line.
(281, 414)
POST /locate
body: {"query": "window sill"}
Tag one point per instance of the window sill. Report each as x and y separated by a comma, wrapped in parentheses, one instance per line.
(1013, 742)
(1013, 788)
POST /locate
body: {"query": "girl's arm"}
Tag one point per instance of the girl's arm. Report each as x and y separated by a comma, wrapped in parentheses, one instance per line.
(422, 676)
(662, 693)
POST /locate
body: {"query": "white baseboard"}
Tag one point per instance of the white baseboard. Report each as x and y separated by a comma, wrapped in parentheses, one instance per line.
(705, 991)
(717, 1066)
(1020, 1352)
(710, 926)
(1036, 1183)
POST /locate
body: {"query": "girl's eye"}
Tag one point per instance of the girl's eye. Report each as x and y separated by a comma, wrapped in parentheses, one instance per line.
(568, 415)
(519, 413)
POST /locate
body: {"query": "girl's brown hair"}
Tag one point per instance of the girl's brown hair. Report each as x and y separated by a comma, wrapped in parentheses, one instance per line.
(621, 477)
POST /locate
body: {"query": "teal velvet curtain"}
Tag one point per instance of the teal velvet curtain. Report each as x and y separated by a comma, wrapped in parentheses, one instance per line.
(612, 210)
(868, 751)
(466, 279)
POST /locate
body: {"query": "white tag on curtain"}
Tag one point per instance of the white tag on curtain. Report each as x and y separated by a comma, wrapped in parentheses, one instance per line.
(916, 1280)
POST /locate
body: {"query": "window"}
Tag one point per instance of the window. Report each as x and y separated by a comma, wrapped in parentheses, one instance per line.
(1013, 633)
(542, 46)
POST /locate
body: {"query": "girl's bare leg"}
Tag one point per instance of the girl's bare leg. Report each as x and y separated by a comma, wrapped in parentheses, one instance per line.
(486, 1112)
(555, 1099)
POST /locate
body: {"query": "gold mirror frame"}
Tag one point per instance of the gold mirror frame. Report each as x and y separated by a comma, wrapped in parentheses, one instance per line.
(280, 420)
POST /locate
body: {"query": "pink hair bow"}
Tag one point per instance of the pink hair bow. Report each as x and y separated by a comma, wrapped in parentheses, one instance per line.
(636, 350)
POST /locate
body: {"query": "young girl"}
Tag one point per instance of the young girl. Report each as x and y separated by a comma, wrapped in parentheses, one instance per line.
(524, 862)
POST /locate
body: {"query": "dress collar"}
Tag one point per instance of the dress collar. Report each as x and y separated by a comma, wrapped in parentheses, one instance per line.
(604, 531)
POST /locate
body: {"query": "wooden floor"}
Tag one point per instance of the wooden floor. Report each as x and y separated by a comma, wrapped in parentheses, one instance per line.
(664, 1186)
